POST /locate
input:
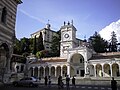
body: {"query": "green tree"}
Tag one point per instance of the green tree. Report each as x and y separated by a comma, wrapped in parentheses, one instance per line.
(24, 42)
(42, 53)
(55, 47)
(98, 43)
(34, 46)
(16, 48)
(31, 44)
(113, 42)
(40, 45)
(39, 54)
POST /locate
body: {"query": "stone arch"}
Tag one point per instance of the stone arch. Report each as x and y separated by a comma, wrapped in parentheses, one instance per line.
(115, 69)
(77, 62)
(52, 71)
(106, 71)
(58, 69)
(4, 55)
(36, 72)
(99, 70)
(46, 71)
(77, 58)
(92, 71)
(41, 71)
(64, 72)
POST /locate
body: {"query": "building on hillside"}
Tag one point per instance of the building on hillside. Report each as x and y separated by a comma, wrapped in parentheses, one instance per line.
(8, 9)
(76, 59)
(47, 34)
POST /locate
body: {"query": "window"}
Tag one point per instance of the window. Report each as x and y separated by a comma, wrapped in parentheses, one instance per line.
(82, 73)
(81, 60)
(4, 14)
(77, 71)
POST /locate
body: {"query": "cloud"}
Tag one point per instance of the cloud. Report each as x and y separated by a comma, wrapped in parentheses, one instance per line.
(31, 16)
(106, 32)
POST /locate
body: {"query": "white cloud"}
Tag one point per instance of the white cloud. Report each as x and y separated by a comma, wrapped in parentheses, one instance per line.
(31, 16)
(106, 32)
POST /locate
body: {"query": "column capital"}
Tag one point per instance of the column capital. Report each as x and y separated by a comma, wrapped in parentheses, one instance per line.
(39, 67)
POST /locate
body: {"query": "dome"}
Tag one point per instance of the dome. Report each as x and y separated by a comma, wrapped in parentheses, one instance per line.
(48, 26)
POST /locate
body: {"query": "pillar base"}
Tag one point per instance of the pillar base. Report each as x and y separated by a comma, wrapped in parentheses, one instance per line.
(87, 76)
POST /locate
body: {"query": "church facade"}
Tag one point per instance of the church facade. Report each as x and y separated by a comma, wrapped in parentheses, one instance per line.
(8, 10)
(76, 59)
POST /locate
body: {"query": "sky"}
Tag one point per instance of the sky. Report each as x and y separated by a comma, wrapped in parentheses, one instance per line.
(88, 16)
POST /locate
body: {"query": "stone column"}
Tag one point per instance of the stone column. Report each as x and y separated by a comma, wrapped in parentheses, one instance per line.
(61, 70)
(68, 70)
(119, 70)
(49, 71)
(102, 71)
(38, 71)
(55, 71)
(111, 70)
(33, 71)
(44, 72)
(95, 70)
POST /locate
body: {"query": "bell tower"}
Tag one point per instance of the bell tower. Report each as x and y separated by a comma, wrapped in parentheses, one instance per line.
(68, 38)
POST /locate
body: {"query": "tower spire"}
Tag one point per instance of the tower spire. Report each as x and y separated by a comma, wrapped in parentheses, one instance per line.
(48, 21)
(48, 25)
(72, 22)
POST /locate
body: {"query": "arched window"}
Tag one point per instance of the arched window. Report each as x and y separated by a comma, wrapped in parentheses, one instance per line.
(4, 14)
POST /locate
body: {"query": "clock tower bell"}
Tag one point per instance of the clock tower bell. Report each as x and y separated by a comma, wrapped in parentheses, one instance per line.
(68, 38)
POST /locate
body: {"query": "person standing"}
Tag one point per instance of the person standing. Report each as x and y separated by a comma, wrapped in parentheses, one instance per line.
(73, 81)
(46, 80)
(49, 81)
(67, 82)
(60, 82)
(113, 84)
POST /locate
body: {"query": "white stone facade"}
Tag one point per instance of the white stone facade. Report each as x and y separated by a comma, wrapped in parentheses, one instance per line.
(76, 59)
(47, 34)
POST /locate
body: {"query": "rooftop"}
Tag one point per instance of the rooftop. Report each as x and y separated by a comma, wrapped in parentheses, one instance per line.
(109, 55)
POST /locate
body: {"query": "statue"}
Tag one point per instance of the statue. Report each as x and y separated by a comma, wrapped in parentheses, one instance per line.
(64, 23)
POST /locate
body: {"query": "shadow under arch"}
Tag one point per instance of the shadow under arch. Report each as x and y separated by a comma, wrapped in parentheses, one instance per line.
(115, 69)
(98, 70)
(106, 72)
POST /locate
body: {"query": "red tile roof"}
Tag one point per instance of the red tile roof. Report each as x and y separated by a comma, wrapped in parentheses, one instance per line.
(50, 60)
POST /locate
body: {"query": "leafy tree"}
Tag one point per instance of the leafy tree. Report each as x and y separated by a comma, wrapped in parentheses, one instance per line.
(34, 46)
(113, 42)
(42, 53)
(39, 54)
(55, 47)
(22, 46)
(40, 45)
(24, 42)
(98, 43)
(31, 44)
(16, 48)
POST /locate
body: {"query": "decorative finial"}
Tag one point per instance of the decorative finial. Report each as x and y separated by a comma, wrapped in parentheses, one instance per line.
(68, 23)
(72, 22)
(48, 25)
(64, 23)
(48, 21)
(85, 37)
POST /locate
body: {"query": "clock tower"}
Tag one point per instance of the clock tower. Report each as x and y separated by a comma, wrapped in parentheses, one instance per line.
(68, 38)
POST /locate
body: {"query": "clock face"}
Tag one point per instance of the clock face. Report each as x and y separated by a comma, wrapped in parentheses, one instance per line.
(66, 35)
